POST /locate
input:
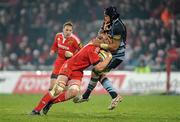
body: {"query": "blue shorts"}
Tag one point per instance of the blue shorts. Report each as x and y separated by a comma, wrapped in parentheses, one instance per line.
(112, 65)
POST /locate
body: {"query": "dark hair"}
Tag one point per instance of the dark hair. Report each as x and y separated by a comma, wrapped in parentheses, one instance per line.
(111, 12)
(69, 23)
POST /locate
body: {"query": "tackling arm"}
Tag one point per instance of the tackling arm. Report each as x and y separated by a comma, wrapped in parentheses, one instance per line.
(102, 65)
(114, 46)
(107, 43)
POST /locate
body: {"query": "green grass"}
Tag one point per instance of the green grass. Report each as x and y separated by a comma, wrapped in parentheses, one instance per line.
(152, 108)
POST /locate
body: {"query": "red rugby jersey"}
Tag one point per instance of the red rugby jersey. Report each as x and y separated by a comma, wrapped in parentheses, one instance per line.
(87, 56)
(61, 44)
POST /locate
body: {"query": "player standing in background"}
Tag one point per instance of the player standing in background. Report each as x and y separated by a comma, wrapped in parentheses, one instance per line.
(66, 44)
(116, 30)
(71, 74)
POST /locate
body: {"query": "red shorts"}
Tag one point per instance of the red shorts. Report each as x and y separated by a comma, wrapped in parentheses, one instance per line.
(57, 65)
(72, 75)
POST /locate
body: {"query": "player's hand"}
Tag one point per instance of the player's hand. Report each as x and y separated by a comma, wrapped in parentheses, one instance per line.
(68, 54)
(52, 52)
(106, 26)
(107, 39)
(96, 41)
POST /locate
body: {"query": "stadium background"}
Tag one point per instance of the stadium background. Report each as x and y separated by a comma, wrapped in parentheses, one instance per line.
(27, 30)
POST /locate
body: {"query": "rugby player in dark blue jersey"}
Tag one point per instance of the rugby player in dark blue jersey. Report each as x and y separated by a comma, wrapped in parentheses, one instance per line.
(116, 31)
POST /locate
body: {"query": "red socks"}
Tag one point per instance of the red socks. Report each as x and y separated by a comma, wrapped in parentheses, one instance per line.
(47, 97)
(60, 98)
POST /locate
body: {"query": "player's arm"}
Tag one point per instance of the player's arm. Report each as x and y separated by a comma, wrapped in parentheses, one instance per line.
(69, 54)
(52, 52)
(118, 31)
(113, 46)
(54, 47)
(77, 44)
(102, 65)
(100, 39)
(107, 43)
(78, 47)
(112, 42)
(95, 59)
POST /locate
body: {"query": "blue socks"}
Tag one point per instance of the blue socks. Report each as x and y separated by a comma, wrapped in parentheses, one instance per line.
(92, 84)
(109, 88)
(105, 83)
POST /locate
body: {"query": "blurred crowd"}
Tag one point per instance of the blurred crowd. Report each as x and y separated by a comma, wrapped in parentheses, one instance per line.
(28, 27)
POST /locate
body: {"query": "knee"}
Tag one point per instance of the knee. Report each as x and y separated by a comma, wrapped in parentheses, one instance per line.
(57, 89)
(94, 78)
(52, 83)
(103, 77)
(74, 90)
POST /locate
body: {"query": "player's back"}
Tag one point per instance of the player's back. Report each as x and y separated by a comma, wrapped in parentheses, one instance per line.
(87, 56)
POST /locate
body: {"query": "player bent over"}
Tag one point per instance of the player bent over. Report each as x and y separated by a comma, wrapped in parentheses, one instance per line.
(114, 27)
(71, 75)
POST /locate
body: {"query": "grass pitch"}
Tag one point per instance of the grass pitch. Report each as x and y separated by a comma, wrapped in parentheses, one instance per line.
(152, 108)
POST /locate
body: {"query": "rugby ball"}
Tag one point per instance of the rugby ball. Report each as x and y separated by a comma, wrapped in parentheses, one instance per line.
(102, 54)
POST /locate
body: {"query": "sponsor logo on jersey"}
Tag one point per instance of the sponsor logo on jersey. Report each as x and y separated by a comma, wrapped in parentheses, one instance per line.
(63, 47)
(70, 42)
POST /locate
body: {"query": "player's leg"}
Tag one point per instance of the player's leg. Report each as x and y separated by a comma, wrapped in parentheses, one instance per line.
(52, 81)
(106, 83)
(92, 84)
(73, 85)
(95, 77)
(44, 100)
(57, 89)
(71, 92)
(57, 66)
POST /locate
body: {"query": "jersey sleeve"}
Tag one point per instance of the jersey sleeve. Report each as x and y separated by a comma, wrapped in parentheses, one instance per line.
(93, 55)
(54, 47)
(119, 31)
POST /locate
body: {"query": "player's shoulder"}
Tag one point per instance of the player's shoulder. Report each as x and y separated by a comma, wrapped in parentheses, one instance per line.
(59, 34)
(118, 23)
(76, 38)
(91, 47)
(118, 26)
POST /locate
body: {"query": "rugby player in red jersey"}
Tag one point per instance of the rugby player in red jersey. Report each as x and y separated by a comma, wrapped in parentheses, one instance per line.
(66, 44)
(71, 74)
